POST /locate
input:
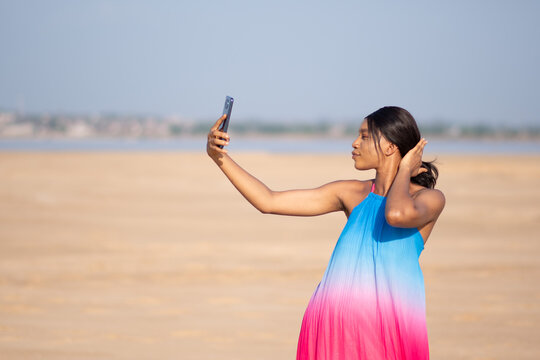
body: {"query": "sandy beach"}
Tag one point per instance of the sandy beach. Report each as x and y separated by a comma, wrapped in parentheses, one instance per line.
(147, 255)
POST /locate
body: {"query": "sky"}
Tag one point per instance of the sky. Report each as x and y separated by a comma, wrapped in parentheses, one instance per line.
(296, 61)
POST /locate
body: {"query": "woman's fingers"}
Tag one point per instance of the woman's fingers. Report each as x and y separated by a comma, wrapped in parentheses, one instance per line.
(219, 121)
(420, 146)
(220, 142)
(220, 134)
(218, 149)
(217, 138)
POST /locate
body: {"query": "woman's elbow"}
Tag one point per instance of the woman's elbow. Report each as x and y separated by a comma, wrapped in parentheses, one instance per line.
(394, 218)
(403, 220)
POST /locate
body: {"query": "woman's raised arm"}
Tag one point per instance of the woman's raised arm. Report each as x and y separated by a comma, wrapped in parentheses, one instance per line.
(304, 202)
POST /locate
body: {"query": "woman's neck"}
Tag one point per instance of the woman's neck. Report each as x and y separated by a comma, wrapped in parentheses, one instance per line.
(385, 174)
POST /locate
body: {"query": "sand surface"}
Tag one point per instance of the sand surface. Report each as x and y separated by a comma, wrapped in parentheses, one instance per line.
(157, 256)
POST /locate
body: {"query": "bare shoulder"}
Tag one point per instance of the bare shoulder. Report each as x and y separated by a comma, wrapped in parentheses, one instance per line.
(352, 192)
(346, 189)
(434, 199)
(354, 186)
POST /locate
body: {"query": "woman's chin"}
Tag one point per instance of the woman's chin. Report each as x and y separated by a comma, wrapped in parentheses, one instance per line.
(360, 167)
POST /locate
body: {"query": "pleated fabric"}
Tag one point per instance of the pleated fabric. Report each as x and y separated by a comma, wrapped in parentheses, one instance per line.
(370, 303)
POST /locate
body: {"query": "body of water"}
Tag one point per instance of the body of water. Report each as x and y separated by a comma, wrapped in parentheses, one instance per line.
(273, 145)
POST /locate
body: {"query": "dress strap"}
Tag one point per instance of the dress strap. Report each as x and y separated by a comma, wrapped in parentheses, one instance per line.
(373, 187)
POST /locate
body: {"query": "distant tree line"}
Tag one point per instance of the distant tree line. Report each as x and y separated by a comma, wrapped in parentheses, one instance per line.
(13, 125)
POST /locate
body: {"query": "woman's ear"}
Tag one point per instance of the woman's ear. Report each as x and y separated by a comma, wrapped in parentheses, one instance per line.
(391, 148)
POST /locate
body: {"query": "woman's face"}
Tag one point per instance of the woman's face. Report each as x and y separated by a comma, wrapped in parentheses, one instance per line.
(364, 153)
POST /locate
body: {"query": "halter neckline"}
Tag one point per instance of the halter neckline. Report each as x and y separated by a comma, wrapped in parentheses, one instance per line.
(373, 190)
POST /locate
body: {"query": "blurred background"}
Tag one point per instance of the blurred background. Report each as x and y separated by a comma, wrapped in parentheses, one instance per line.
(141, 70)
(120, 238)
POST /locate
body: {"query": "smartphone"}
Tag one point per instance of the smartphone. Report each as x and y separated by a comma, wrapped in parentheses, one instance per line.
(227, 108)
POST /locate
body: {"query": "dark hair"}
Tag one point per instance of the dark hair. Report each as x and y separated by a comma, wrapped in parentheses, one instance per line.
(398, 126)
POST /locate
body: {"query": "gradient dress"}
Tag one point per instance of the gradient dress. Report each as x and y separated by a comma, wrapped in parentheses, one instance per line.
(370, 303)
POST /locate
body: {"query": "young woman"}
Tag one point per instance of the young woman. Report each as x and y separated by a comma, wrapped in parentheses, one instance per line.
(370, 303)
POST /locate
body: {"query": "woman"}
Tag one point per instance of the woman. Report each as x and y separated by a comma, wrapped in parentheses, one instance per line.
(370, 303)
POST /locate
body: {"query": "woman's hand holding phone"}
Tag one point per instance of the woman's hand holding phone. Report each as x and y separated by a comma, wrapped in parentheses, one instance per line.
(215, 138)
(218, 137)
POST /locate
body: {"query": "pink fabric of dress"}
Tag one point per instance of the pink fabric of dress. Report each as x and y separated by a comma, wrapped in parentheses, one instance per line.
(370, 303)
